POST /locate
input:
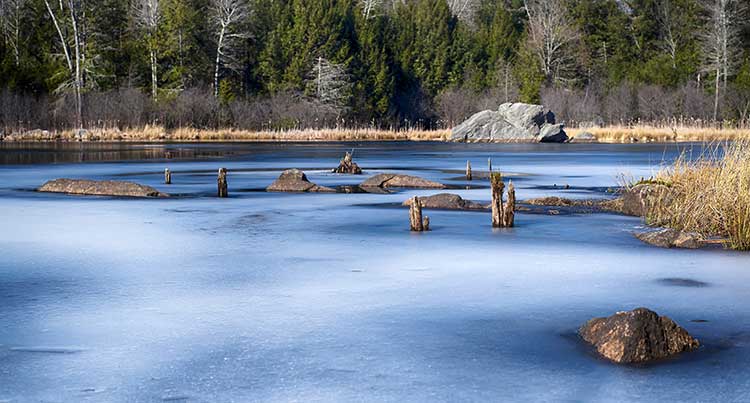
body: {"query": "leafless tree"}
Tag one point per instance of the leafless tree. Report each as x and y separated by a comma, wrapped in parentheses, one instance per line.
(464, 10)
(551, 36)
(668, 23)
(331, 83)
(721, 43)
(71, 44)
(147, 15)
(11, 15)
(226, 17)
(370, 8)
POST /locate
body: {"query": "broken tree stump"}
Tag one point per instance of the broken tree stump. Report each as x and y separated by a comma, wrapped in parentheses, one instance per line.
(348, 166)
(222, 182)
(416, 222)
(503, 213)
(497, 186)
(468, 170)
(167, 176)
(510, 207)
(489, 165)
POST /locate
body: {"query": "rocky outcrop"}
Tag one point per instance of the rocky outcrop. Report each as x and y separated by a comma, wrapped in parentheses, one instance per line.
(671, 238)
(637, 336)
(294, 180)
(562, 202)
(348, 166)
(399, 181)
(447, 201)
(100, 188)
(511, 122)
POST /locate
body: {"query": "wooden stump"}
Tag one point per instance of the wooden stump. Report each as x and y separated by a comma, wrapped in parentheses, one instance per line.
(510, 207)
(416, 222)
(222, 182)
(167, 176)
(489, 165)
(503, 213)
(497, 186)
(468, 170)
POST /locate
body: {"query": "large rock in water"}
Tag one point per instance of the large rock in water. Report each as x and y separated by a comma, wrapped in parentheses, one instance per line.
(294, 180)
(671, 238)
(511, 122)
(400, 181)
(447, 201)
(100, 188)
(637, 336)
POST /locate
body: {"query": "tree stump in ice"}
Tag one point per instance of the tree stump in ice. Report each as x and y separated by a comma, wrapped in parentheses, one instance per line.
(348, 166)
(222, 183)
(167, 176)
(468, 170)
(416, 222)
(503, 215)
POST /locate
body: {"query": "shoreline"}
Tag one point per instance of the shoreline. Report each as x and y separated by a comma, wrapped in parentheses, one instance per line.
(155, 134)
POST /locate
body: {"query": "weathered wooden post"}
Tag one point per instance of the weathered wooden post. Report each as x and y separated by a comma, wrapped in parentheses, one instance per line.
(510, 207)
(489, 164)
(468, 170)
(167, 176)
(497, 186)
(222, 182)
(416, 222)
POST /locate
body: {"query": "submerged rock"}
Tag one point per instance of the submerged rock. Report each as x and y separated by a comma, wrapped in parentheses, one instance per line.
(400, 181)
(563, 202)
(100, 188)
(637, 336)
(447, 201)
(294, 180)
(671, 238)
(511, 122)
(348, 166)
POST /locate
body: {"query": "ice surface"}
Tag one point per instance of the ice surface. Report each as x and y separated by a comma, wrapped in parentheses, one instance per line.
(329, 297)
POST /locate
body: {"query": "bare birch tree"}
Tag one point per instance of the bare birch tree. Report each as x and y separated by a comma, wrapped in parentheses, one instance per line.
(331, 83)
(226, 17)
(147, 15)
(11, 15)
(371, 8)
(665, 15)
(721, 43)
(550, 36)
(71, 45)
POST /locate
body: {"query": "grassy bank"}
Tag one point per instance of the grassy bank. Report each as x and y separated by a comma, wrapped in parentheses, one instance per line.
(709, 195)
(657, 134)
(610, 134)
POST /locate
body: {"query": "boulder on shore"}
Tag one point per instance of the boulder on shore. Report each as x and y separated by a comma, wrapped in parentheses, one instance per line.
(447, 201)
(100, 188)
(584, 137)
(671, 238)
(294, 180)
(637, 336)
(511, 122)
(348, 166)
(400, 181)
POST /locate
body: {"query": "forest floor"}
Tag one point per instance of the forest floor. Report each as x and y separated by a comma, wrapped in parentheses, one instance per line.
(608, 134)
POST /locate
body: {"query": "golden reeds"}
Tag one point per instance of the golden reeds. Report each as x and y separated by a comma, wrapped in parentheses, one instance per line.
(709, 195)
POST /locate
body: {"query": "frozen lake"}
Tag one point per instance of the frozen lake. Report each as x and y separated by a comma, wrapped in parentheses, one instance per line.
(329, 297)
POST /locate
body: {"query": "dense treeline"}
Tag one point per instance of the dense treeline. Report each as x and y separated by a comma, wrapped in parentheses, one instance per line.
(278, 64)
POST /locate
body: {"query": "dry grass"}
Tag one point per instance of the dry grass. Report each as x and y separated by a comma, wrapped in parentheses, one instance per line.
(660, 134)
(157, 133)
(709, 195)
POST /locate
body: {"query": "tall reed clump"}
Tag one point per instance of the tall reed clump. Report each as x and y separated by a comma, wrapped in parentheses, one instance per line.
(709, 195)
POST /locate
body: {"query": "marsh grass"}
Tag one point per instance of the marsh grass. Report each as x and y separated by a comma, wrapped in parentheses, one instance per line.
(709, 194)
(661, 134)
